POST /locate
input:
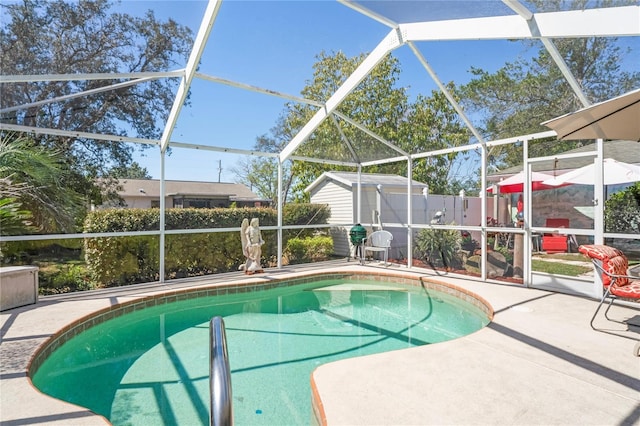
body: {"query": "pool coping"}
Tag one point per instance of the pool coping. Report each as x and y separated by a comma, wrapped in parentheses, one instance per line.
(26, 329)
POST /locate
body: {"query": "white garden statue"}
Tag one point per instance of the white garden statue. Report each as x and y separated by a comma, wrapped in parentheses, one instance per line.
(251, 246)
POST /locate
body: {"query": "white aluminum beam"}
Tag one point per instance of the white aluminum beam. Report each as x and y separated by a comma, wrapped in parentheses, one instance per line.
(321, 161)
(390, 42)
(522, 138)
(584, 154)
(7, 238)
(77, 95)
(76, 134)
(369, 13)
(566, 72)
(446, 93)
(527, 15)
(222, 149)
(600, 22)
(345, 139)
(606, 22)
(280, 203)
(383, 161)
(359, 198)
(445, 151)
(483, 212)
(463, 148)
(409, 212)
(198, 47)
(370, 133)
(31, 78)
(258, 89)
(163, 201)
(424, 154)
(519, 8)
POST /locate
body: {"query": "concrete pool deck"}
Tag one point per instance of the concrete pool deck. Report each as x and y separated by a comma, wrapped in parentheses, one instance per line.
(538, 362)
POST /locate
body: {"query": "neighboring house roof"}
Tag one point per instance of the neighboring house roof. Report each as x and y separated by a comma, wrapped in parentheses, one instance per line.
(366, 179)
(625, 151)
(183, 188)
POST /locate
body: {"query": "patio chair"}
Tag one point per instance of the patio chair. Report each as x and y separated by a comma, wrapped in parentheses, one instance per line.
(555, 243)
(378, 241)
(612, 264)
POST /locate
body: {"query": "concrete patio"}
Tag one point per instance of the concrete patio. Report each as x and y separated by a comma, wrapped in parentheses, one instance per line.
(538, 362)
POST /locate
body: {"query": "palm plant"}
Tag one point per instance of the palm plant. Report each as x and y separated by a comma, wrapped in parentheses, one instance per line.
(13, 220)
(34, 178)
(436, 245)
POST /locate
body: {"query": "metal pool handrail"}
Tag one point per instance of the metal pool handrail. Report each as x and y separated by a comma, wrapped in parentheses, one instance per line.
(219, 375)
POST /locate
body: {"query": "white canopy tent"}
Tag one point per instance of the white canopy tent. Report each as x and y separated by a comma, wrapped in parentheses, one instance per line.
(615, 172)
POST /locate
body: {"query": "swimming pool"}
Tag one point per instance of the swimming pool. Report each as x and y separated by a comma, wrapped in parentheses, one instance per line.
(150, 366)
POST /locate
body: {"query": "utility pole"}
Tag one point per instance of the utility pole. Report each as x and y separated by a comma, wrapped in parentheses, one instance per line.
(219, 169)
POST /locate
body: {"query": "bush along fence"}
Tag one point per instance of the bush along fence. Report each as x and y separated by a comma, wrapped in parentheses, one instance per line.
(114, 261)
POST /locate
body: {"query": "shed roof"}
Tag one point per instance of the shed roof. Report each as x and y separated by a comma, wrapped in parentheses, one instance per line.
(367, 179)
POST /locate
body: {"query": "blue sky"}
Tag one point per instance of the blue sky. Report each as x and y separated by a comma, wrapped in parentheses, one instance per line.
(269, 44)
(273, 45)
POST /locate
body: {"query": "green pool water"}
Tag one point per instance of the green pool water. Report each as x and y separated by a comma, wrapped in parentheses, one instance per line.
(150, 367)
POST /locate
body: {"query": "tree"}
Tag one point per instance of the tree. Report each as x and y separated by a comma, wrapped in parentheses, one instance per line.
(376, 104)
(622, 211)
(261, 174)
(106, 189)
(433, 124)
(132, 171)
(57, 37)
(379, 105)
(13, 219)
(34, 186)
(522, 94)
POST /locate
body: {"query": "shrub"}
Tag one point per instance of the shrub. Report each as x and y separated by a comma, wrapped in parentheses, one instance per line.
(296, 250)
(27, 252)
(440, 247)
(116, 261)
(304, 214)
(508, 254)
(301, 250)
(63, 279)
(622, 211)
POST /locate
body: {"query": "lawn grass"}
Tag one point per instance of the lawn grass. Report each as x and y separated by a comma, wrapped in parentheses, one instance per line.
(559, 268)
(563, 256)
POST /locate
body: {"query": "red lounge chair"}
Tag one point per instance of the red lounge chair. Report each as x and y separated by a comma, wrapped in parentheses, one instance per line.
(555, 243)
(613, 265)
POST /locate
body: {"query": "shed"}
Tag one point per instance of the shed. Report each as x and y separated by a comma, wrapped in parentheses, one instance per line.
(339, 191)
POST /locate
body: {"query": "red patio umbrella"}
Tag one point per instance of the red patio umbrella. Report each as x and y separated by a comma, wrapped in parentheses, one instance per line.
(515, 183)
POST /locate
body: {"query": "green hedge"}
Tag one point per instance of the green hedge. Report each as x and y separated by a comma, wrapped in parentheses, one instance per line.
(309, 249)
(304, 214)
(621, 212)
(26, 252)
(113, 261)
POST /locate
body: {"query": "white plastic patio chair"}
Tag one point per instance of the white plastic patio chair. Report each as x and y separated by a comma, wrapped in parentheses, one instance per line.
(378, 241)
